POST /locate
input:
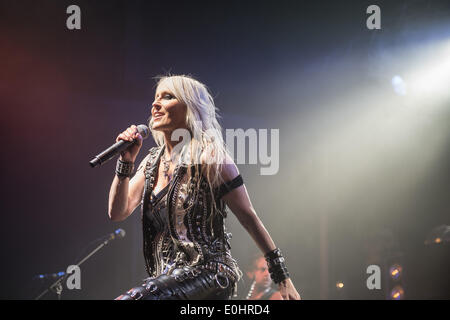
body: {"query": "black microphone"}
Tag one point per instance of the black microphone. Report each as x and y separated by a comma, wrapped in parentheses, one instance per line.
(49, 275)
(118, 234)
(118, 147)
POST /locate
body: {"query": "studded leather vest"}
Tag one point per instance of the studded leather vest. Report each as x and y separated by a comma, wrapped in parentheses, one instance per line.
(177, 228)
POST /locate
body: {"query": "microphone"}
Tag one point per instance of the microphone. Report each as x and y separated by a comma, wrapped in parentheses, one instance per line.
(116, 148)
(49, 275)
(118, 234)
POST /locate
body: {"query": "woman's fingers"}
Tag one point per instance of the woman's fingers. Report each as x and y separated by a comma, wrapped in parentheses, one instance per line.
(121, 136)
(133, 133)
(129, 134)
(125, 136)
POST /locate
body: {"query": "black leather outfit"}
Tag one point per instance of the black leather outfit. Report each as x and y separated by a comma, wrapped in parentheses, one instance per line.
(186, 247)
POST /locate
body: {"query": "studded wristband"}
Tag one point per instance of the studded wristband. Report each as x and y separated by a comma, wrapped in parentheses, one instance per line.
(124, 169)
(277, 266)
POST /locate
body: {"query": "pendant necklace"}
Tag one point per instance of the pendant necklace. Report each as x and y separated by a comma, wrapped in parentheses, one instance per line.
(166, 166)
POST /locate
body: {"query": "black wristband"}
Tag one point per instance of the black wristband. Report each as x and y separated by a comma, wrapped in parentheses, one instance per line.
(277, 266)
(124, 169)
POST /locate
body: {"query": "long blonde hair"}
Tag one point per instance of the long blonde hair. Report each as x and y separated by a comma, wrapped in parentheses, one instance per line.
(206, 145)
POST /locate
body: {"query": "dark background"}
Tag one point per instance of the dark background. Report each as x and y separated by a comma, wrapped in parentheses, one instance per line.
(302, 67)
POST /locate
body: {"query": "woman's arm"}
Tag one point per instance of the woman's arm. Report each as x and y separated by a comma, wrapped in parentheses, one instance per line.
(125, 194)
(239, 203)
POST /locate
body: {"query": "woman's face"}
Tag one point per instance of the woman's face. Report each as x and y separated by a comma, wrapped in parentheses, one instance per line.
(168, 113)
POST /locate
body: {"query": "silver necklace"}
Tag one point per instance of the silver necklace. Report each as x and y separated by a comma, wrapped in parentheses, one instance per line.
(166, 166)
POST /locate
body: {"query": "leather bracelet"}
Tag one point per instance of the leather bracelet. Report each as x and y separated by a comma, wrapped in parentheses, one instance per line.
(277, 266)
(124, 169)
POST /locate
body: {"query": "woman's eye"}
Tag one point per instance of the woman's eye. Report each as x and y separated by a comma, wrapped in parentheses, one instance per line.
(168, 96)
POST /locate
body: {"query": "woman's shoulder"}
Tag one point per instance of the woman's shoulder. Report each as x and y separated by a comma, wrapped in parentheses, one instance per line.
(151, 156)
(228, 169)
(154, 152)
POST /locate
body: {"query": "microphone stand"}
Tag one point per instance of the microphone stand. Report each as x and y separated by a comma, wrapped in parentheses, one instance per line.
(57, 286)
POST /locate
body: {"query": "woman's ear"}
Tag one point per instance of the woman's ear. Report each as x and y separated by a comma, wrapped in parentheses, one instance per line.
(250, 274)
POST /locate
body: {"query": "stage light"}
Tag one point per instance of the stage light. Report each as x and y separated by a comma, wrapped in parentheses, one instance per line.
(399, 85)
(397, 293)
(429, 79)
(438, 235)
(395, 271)
(394, 290)
(339, 285)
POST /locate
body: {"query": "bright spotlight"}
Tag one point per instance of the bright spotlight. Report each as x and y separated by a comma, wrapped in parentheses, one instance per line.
(395, 272)
(399, 85)
(397, 293)
(339, 285)
(440, 234)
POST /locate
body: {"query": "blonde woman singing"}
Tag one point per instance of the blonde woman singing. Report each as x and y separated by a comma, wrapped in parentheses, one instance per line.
(183, 187)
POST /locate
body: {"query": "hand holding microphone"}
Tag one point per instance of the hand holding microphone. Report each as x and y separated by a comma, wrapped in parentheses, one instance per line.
(132, 135)
(128, 144)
